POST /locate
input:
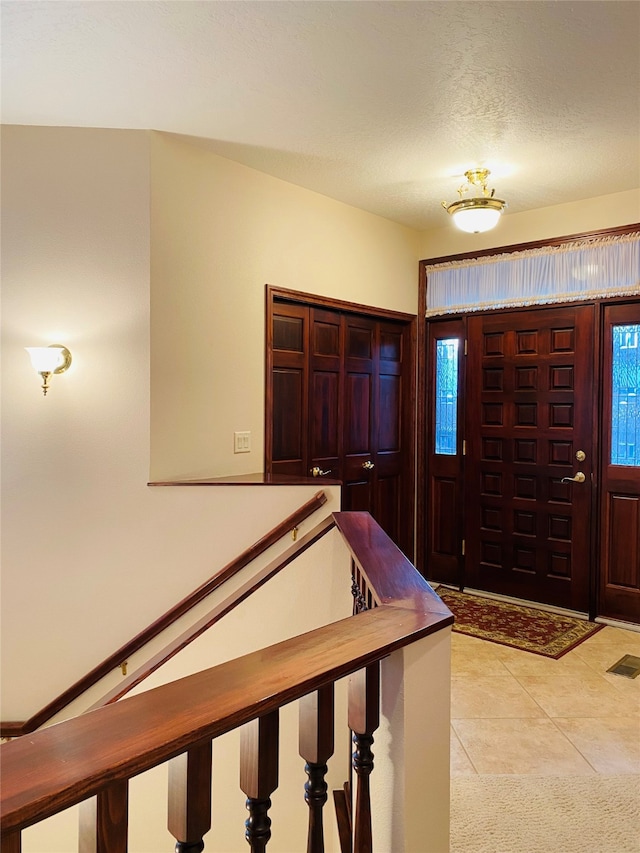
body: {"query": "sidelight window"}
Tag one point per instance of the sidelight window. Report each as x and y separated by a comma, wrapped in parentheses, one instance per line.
(446, 426)
(625, 396)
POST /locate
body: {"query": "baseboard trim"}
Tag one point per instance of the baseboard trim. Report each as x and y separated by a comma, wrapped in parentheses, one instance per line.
(617, 623)
(535, 605)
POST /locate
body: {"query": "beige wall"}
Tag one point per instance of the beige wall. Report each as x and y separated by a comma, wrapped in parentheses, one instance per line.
(90, 554)
(578, 217)
(220, 232)
(75, 270)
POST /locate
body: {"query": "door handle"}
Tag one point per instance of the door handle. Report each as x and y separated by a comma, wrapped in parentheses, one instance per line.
(318, 472)
(368, 465)
(579, 478)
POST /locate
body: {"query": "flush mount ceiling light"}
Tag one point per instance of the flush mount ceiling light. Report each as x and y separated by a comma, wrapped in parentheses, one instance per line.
(479, 213)
(48, 360)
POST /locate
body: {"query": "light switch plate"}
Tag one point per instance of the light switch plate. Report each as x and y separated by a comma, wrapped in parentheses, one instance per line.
(242, 442)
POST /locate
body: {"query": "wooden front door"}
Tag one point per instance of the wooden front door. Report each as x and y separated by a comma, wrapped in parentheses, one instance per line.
(339, 397)
(529, 430)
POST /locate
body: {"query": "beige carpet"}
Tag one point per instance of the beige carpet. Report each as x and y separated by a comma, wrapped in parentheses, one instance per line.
(532, 814)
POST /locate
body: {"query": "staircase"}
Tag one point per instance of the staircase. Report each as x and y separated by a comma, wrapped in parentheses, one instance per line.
(394, 648)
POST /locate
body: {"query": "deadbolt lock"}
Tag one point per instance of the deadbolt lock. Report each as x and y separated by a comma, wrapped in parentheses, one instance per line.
(581, 455)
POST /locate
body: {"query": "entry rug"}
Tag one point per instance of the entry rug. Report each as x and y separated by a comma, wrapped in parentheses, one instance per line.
(525, 628)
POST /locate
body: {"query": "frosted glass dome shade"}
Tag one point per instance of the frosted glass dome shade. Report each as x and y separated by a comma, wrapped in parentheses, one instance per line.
(476, 215)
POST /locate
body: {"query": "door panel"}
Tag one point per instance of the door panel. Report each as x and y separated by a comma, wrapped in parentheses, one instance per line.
(444, 524)
(325, 387)
(289, 343)
(288, 397)
(619, 587)
(390, 388)
(528, 412)
(359, 438)
(326, 392)
(358, 404)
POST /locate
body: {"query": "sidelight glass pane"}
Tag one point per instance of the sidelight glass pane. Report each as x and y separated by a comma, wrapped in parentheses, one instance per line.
(625, 396)
(446, 396)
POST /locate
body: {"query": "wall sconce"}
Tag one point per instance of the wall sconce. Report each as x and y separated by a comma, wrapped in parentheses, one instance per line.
(48, 360)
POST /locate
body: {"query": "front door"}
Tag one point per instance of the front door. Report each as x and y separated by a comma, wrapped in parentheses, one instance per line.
(339, 406)
(529, 454)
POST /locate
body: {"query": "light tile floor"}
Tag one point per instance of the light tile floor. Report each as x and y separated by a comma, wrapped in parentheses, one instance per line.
(514, 712)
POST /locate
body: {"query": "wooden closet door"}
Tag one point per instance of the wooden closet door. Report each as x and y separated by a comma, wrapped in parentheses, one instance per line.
(340, 402)
(528, 428)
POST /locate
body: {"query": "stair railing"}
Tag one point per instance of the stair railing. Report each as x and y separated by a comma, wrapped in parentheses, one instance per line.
(92, 757)
(10, 729)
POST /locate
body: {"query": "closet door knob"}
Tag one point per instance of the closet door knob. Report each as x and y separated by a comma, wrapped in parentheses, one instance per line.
(318, 472)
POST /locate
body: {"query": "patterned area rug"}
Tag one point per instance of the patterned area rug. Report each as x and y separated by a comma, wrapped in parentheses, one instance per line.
(524, 628)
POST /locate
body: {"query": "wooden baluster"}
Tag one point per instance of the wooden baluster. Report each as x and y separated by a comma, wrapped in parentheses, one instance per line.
(342, 802)
(190, 798)
(359, 600)
(316, 747)
(10, 842)
(259, 776)
(104, 820)
(364, 718)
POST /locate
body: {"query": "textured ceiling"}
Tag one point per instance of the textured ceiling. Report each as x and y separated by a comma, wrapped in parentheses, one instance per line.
(382, 105)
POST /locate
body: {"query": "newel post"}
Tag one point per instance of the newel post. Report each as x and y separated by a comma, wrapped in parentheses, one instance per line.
(364, 719)
(316, 747)
(190, 798)
(259, 776)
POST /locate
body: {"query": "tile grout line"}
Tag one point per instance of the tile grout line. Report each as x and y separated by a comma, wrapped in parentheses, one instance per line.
(593, 671)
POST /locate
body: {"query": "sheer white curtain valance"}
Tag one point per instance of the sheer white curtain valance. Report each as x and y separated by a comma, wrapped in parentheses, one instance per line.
(588, 269)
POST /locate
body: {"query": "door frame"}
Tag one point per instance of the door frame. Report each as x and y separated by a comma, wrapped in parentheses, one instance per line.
(274, 295)
(424, 368)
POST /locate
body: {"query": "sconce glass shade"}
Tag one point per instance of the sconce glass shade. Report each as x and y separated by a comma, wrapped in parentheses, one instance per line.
(49, 360)
(52, 359)
(475, 215)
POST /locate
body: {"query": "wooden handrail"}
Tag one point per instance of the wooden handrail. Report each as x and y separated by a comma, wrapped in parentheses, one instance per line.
(62, 765)
(374, 554)
(15, 729)
(194, 631)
